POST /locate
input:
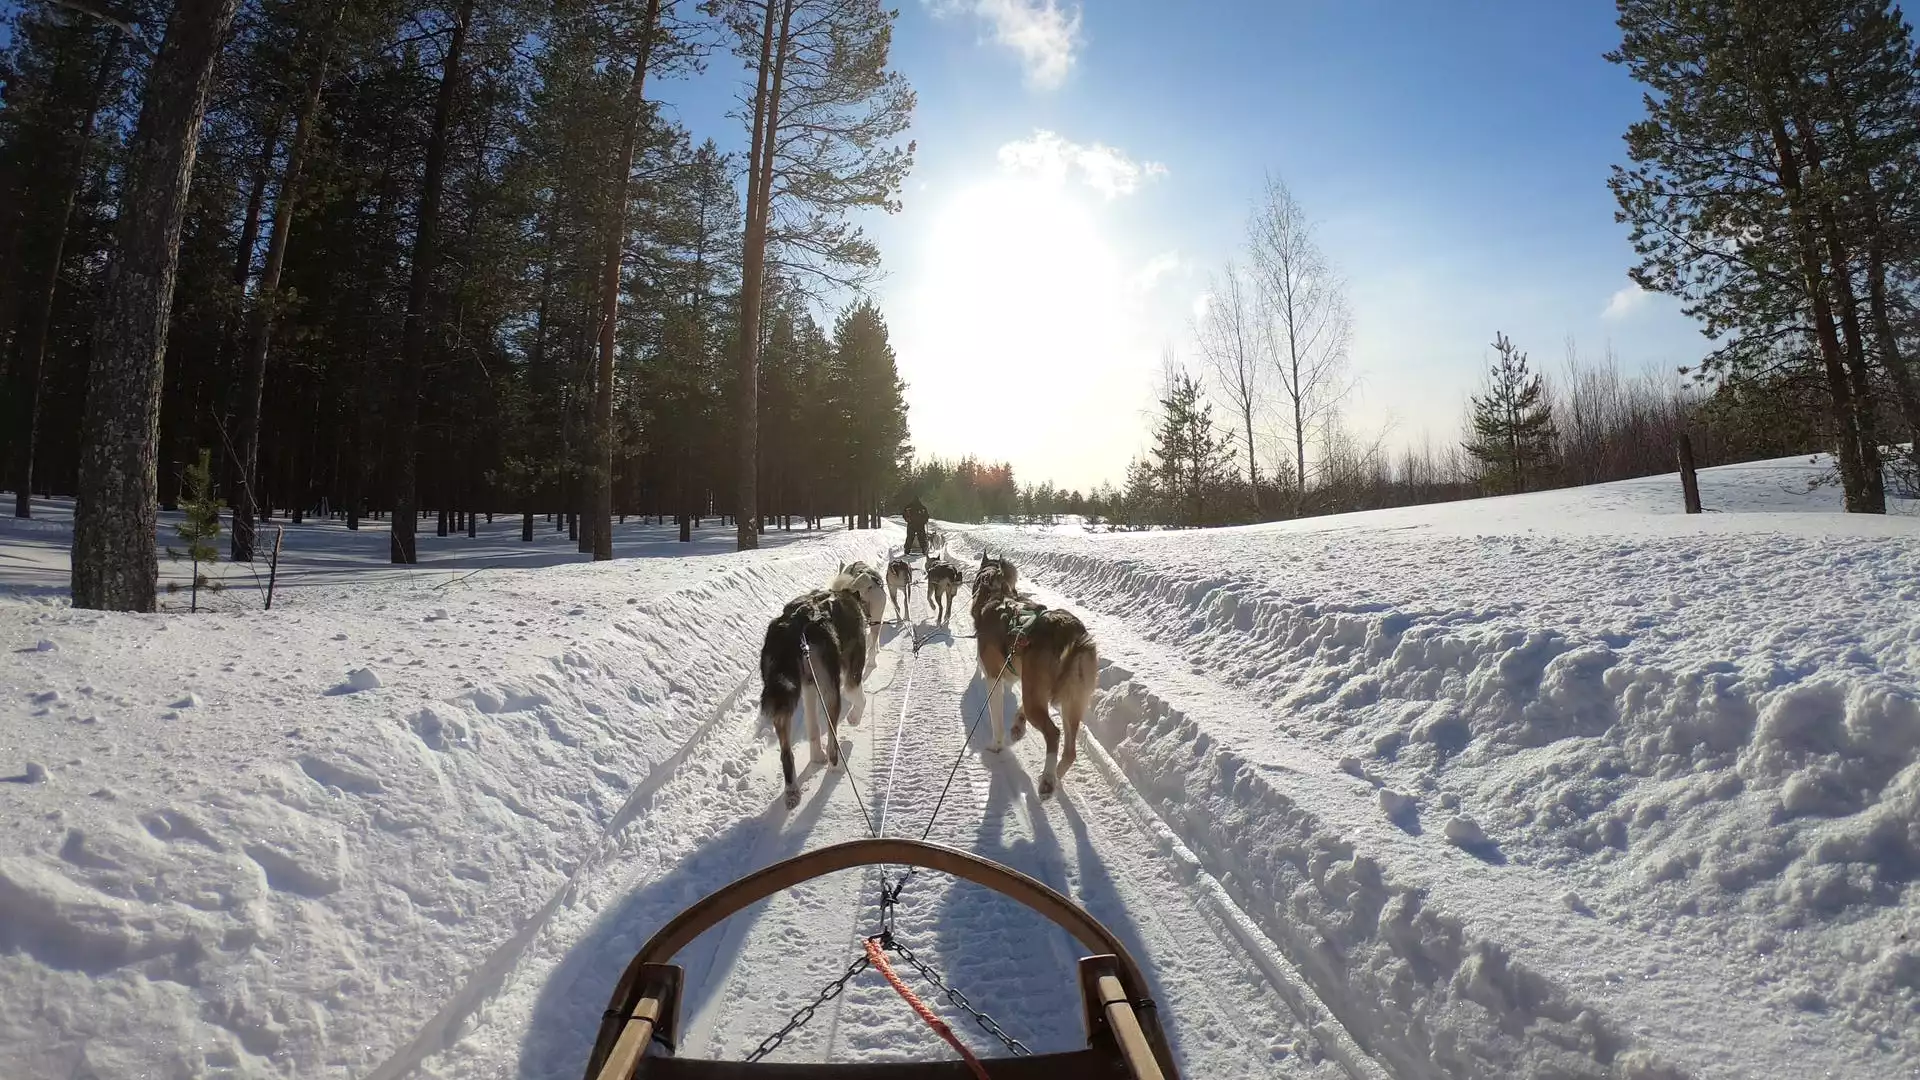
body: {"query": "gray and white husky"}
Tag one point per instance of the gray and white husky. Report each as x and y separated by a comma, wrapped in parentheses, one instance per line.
(813, 658)
(867, 583)
(900, 586)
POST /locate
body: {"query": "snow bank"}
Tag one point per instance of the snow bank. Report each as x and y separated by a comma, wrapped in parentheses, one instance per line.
(267, 844)
(1680, 758)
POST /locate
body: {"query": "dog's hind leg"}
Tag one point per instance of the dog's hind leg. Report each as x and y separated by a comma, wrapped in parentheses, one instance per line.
(816, 708)
(995, 685)
(777, 709)
(833, 709)
(856, 698)
(1035, 690)
(1079, 677)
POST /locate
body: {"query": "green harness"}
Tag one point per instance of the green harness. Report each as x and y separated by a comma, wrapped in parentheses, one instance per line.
(1020, 628)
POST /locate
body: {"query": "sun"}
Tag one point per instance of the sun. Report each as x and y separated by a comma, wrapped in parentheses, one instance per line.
(1016, 324)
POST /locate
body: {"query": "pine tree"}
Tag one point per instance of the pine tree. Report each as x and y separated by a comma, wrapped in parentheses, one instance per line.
(201, 525)
(113, 519)
(1192, 458)
(1771, 123)
(1513, 433)
(824, 110)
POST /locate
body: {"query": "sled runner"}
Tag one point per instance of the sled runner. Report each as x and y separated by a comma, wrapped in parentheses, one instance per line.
(1124, 1039)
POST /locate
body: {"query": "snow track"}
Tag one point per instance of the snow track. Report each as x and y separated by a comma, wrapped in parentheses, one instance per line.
(1231, 1006)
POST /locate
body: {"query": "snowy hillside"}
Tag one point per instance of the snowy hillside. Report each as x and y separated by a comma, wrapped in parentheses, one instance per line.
(1559, 784)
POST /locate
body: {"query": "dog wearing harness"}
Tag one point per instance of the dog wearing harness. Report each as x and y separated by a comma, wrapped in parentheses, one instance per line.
(900, 586)
(816, 642)
(866, 582)
(943, 584)
(1050, 653)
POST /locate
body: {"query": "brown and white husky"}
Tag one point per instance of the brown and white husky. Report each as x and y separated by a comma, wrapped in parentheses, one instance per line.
(1047, 650)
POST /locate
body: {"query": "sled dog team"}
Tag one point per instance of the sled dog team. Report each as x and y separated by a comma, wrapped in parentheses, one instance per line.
(820, 648)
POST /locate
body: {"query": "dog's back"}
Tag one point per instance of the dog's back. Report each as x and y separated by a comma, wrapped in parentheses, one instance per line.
(865, 582)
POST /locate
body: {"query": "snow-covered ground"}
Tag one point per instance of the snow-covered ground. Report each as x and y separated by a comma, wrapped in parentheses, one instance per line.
(1560, 784)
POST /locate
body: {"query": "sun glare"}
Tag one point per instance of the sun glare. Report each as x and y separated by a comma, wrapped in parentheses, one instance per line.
(1024, 300)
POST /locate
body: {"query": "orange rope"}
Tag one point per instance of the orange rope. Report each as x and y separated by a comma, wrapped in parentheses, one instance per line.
(939, 1026)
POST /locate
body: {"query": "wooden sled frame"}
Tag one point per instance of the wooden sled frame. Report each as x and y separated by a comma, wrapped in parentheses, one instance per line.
(1124, 1038)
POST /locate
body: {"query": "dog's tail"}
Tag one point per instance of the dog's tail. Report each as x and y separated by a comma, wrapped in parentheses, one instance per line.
(780, 671)
(1079, 673)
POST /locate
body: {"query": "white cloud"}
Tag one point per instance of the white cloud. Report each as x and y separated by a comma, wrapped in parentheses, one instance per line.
(1101, 168)
(1626, 301)
(1200, 305)
(1149, 275)
(1043, 34)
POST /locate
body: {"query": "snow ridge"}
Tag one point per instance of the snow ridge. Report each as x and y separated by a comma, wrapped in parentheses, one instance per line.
(1693, 797)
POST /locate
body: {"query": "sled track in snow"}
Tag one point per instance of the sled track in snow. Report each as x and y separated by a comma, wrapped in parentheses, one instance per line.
(1233, 1004)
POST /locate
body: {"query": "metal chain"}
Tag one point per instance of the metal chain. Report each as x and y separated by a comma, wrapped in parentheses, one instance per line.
(987, 1024)
(805, 1012)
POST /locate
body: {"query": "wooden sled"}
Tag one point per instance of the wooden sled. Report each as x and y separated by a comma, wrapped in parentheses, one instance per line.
(1124, 1039)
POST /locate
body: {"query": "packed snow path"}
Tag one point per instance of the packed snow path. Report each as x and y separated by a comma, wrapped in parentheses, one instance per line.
(1223, 992)
(1564, 784)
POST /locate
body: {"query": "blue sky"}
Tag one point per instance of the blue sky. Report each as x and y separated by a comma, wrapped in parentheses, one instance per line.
(1454, 155)
(1082, 166)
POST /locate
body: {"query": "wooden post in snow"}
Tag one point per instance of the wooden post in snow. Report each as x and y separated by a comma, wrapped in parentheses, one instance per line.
(1689, 480)
(273, 563)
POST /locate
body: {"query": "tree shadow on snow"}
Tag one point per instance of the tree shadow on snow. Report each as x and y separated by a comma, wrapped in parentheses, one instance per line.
(567, 1012)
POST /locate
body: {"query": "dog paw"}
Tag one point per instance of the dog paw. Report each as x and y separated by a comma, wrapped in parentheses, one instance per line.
(1019, 732)
(793, 797)
(996, 748)
(1047, 784)
(816, 754)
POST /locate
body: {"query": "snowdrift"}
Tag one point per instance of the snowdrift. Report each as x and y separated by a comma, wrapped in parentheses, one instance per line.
(1563, 784)
(302, 842)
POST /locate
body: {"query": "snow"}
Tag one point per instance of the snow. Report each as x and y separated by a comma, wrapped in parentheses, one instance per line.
(1557, 784)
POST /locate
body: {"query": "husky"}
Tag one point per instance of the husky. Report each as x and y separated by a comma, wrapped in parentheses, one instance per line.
(1048, 650)
(865, 581)
(943, 584)
(900, 586)
(816, 642)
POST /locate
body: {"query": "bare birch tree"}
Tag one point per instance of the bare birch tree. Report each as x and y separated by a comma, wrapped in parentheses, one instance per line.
(1306, 325)
(1228, 333)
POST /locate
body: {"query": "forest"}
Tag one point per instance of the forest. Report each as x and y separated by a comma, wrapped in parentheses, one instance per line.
(414, 261)
(385, 258)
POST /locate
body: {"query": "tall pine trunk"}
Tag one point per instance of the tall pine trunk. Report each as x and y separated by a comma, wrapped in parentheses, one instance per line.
(33, 352)
(401, 547)
(766, 123)
(610, 294)
(1853, 480)
(253, 378)
(114, 518)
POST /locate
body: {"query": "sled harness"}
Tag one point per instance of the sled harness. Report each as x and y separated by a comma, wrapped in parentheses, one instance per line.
(879, 944)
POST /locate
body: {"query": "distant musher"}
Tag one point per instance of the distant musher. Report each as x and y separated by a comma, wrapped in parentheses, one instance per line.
(916, 515)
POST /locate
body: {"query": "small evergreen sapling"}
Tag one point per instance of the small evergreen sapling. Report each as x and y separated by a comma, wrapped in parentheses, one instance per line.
(1513, 434)
(200, 528)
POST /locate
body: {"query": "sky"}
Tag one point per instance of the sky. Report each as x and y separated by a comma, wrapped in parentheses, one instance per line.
(1082, 168)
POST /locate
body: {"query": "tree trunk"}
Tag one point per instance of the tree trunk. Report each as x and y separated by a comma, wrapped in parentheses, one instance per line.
(33, 352)
(610, 295)
(114, 564)
(413, 338)
(1845, 304)
(766, 122)
(1853, 480)
(253, 378)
